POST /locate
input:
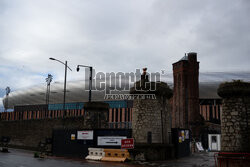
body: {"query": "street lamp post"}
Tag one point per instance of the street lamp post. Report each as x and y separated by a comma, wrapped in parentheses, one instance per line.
(90, 78)
(65, 78)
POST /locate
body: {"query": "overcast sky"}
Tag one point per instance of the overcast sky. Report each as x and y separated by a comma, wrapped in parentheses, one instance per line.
(119, 35)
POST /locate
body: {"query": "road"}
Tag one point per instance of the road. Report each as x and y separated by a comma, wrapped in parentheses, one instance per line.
(202, 159)
(22, 158)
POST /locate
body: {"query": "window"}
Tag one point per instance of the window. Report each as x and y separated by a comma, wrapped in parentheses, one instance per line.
(120, 114)
(214, 139)
(129, 114)
(125, 115)
(116, 114)
(113, 115)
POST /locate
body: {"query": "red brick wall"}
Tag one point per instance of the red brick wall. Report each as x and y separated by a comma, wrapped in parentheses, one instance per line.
(215, 112)
(186, 92)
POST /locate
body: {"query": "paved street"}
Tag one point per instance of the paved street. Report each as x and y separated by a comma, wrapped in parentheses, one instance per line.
(195, 160)
(21, 158)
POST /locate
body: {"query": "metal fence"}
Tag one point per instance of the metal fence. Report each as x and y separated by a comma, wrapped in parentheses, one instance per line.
(120, 125)
(227, 159)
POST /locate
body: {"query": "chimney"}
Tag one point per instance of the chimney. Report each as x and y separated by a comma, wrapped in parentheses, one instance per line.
(192, 57)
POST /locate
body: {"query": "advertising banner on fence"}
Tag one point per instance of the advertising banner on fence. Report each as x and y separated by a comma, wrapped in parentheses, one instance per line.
(85, 135)
(127, 143)
(110, 140)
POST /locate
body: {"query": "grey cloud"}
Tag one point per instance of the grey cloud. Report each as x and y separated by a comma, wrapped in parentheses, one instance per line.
(114, 35)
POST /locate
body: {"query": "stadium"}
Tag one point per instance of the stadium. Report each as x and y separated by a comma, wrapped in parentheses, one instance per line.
(39, 95)
(46, 102)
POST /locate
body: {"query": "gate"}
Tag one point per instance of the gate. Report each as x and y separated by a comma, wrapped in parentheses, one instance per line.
(181, 139)
(67, 143)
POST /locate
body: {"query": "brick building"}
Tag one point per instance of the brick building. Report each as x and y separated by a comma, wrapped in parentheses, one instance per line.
(185, 111)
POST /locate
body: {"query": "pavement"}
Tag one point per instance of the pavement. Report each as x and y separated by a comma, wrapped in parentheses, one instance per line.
(23, 158)
(201, 159)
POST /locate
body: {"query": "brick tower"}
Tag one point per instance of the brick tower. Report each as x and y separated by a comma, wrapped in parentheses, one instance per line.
(186, 92)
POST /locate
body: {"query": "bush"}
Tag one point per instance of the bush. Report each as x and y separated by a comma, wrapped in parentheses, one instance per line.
(159, 89)
(236, 88)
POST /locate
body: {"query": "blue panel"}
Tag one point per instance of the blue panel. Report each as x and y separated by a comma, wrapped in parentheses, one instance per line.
(68, 106)
(73, 106)
(117, 104)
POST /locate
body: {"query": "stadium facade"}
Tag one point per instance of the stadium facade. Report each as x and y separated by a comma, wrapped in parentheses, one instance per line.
(32, 103)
